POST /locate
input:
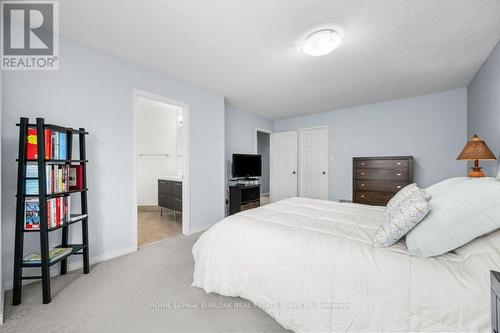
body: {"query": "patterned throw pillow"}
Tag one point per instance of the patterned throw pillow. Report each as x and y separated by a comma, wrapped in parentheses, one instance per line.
(400, 220)
(401, 196)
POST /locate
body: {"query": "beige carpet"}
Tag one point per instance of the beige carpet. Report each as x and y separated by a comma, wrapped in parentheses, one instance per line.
(147, 291)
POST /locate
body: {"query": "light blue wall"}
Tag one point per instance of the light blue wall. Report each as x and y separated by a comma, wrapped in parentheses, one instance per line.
(432, 128)
(95, 90)
(241, 133)
(483, 99)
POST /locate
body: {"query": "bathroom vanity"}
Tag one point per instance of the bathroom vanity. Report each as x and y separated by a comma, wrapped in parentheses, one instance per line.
(170, 193)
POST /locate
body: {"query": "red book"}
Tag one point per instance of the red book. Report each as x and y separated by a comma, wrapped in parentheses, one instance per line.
(58, 212)
(63, 204)
(48, 143)
(31, 148)
(49, 214)
(76, 177)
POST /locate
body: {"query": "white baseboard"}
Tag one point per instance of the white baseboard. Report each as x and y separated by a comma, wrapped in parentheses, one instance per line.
(79, 264)
(267, 193)
(1, 306)
(103, 257)
(200, 229)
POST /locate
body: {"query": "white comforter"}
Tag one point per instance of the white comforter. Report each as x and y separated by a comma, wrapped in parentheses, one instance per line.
(311, 265)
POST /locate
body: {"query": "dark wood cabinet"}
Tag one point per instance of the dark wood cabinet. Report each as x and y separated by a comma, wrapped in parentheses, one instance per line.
(377, 179)
(495, 302)
(243, 197)
(170, 194)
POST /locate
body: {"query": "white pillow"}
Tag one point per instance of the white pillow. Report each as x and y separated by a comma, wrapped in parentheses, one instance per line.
(443, 186)
(398, 221)
(463, 212)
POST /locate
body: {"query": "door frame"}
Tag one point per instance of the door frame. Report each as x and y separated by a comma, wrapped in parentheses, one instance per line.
(269, 132)
(136, 93)
(257, 129)
(299, 149)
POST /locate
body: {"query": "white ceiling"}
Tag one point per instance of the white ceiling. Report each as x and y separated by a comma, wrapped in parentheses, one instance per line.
(249, 51)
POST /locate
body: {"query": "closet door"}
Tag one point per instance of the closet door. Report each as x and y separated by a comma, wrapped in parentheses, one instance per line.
(283, 164)
(313, 163)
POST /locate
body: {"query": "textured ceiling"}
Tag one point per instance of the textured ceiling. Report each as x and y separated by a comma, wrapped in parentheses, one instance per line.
(249, 51)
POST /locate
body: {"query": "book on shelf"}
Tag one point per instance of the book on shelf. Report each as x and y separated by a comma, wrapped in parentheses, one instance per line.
(58, 212)
(31, 146)
(32, 170)
(62, 146)
(31, 186)
(31, 214)
(48, 145)
(57, 178)
(76, 177)
(56, 144)
(54, 254)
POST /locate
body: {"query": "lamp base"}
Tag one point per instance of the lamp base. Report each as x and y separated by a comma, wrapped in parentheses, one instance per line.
(476, 172)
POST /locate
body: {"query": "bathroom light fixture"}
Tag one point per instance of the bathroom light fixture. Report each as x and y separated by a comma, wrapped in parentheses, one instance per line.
(321, 42)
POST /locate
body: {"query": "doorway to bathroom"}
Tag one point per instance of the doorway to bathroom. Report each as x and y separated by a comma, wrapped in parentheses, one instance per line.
(160, 166)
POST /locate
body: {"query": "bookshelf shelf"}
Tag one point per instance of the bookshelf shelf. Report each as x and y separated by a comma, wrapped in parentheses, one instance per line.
(56, 161)
(65, 224)
(75, 248)
(59, 128)
(56, 195)
(48, 212)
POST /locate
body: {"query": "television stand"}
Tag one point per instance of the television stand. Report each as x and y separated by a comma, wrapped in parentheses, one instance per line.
(244, 179)
(243, 197)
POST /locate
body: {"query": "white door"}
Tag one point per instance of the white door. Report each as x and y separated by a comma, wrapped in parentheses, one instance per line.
(283, 164)
(313, 163)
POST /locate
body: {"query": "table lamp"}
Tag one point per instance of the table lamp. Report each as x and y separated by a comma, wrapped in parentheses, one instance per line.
(476, 150)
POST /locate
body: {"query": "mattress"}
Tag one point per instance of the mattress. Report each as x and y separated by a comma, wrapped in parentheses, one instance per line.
(311, 265)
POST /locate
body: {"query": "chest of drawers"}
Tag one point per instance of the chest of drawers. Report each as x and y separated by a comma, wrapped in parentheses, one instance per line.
(377, 179)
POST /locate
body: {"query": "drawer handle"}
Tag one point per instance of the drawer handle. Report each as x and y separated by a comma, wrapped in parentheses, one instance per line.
(362, 196)
(399, 174)
(363, 163)
(399, 163)
(398, 186)
(362, 173)
(362, 184)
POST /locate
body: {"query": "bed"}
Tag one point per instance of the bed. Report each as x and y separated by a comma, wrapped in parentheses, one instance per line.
(311, 265)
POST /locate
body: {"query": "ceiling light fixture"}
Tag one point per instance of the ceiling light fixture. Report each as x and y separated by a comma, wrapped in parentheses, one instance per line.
(321, 42)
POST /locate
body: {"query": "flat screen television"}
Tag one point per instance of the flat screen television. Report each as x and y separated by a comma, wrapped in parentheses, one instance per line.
(247, 165)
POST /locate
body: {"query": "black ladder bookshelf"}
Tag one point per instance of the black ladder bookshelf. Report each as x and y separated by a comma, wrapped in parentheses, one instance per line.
(76, 249)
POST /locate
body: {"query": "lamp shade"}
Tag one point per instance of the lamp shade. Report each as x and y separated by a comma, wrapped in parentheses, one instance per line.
(476, 149)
